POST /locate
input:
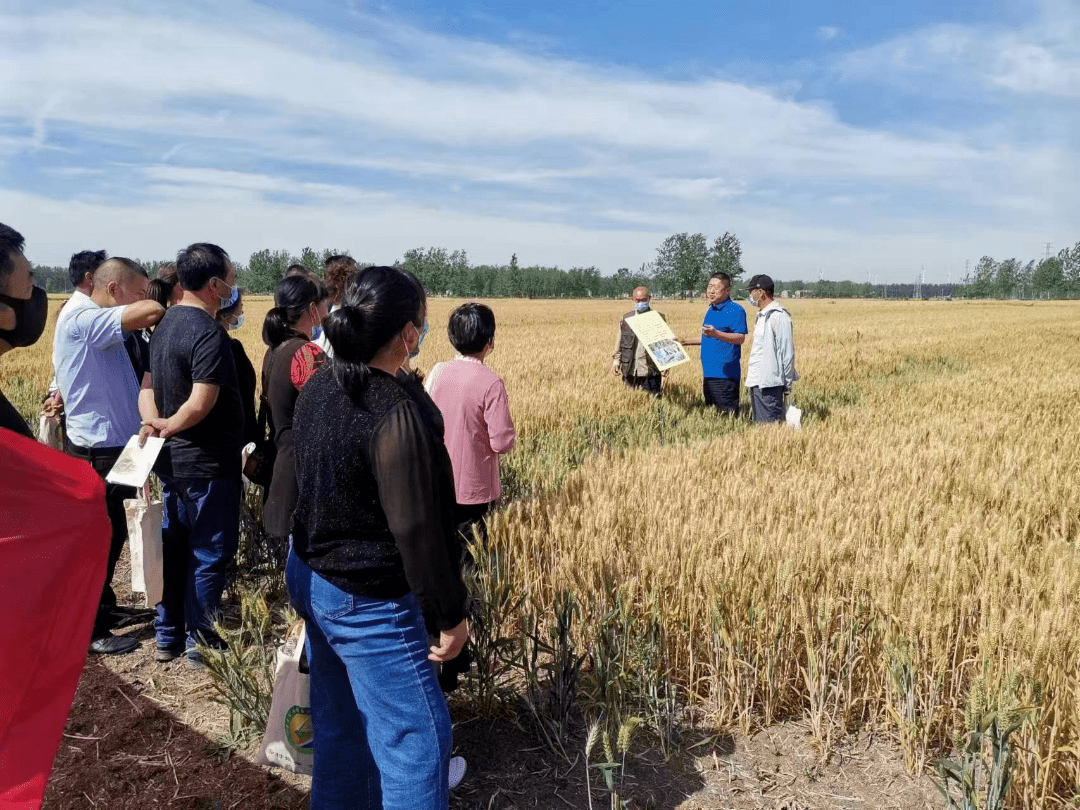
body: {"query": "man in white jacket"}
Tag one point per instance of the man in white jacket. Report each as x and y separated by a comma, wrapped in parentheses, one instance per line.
(771, 370)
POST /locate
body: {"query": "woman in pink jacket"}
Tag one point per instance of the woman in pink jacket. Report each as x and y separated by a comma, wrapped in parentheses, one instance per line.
(476, 413)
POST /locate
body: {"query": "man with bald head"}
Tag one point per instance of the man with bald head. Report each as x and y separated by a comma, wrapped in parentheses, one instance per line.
(630, 358)
(100, 387)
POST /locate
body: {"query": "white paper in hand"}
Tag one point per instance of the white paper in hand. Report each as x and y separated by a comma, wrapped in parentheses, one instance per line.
(134, 465)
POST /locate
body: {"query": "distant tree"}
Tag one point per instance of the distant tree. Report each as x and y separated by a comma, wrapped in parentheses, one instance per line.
(681, 263)
(264, 270)
(726, 256)
(1007, 278)
(982, 283)
(1049, 277)
(312, 260)
(1070, 266)
(52, 278)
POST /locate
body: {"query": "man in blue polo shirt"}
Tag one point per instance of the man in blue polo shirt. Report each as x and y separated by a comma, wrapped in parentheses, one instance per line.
(722, 336)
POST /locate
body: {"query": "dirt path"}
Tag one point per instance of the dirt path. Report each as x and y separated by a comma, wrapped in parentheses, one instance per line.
(144, 735)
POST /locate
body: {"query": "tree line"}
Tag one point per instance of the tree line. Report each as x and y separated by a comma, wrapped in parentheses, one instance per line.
(681, 267)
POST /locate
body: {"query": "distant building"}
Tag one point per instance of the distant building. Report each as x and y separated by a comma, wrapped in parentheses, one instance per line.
(785, 294)
(804, 293)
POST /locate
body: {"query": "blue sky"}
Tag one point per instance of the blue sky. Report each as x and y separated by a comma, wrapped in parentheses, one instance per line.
(852, 138)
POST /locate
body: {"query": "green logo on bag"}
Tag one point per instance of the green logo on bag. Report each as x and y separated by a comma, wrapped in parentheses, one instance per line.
(298, 730)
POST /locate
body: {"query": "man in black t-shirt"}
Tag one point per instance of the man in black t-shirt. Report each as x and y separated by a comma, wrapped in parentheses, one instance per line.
(195, 405)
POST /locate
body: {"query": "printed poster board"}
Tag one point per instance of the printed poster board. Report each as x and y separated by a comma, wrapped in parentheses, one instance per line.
(658, 339)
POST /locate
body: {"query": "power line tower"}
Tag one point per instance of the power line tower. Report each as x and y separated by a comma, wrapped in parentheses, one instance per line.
(918, 283)
(1049, 247)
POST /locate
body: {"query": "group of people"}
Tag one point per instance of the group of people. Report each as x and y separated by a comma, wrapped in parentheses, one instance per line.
(377, 477)
(771, 367)
(373, 476)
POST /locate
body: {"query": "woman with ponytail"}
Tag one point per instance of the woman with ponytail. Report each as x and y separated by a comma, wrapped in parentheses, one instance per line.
(375, 566)
(292, 357)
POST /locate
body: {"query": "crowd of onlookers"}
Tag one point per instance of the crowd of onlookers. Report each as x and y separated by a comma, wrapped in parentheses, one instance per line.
(372, 475)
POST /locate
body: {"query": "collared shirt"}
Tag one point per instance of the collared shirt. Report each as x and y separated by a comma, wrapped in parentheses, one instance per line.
(720, 359)
(772, 355)
(94, 375)
(75, 301)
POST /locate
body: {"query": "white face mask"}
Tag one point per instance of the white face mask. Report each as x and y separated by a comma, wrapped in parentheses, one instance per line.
(239, 322)
(752, 299)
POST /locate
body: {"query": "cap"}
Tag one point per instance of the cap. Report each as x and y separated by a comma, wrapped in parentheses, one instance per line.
(760, 282)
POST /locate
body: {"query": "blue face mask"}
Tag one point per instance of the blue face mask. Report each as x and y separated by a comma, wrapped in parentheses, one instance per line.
(419, 341)
(316, 332)
(234, 296)
(642, 306)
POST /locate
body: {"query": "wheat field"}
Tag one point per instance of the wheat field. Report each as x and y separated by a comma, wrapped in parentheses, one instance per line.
(906, 562)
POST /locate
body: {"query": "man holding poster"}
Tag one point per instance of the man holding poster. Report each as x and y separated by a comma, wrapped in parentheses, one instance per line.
(630, 358)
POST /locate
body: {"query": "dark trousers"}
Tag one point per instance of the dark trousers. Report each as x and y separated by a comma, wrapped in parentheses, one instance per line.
(721, 394)
(767, 404)
(470, 515)
(102, 460)
(199, 536)
(650, 384)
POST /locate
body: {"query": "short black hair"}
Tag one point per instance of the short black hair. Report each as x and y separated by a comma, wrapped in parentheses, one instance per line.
(471, 328)
(300, 270)
(724, 277)
(83, 262)
(197, 264)
(11, 241)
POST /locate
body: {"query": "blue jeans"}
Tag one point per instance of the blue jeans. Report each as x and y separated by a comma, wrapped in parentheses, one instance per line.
(199, 534)
(382, 729)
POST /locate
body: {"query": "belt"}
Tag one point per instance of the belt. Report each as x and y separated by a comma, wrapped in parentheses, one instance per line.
(92, 453)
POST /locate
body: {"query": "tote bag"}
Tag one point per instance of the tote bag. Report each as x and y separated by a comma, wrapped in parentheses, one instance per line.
(289, 735)
(50, 431)
(144, 516)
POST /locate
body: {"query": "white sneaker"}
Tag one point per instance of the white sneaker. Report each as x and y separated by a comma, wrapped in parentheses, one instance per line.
(457, 771)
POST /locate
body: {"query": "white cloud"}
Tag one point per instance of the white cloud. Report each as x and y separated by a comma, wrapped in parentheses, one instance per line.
(236, 120)
(1042, 58)
(827, 32)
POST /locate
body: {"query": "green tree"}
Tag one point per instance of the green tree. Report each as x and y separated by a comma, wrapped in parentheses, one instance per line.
(1049, 277)
(1070, 266)
(1007, 278)
(681, 263)
(264, 270)
(726, 256)
(982, 283)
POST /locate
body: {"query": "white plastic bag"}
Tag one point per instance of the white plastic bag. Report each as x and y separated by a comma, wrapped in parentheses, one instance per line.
(794, 417)
(144, 516)
(49, 431)
(289, 735)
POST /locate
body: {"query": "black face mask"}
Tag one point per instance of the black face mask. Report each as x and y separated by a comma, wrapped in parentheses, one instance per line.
(30, 316)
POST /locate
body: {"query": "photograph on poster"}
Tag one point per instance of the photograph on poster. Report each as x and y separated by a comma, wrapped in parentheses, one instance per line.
(659, 341)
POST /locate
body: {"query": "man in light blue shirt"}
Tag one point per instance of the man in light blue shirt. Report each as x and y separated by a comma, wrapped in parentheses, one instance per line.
(771, 370)
(97, 381)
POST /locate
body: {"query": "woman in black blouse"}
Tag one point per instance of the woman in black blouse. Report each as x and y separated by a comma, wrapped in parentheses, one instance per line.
(290, 360)
(374, 568)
